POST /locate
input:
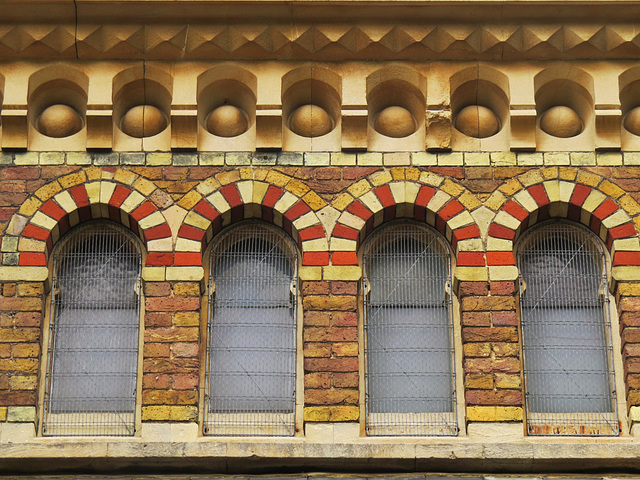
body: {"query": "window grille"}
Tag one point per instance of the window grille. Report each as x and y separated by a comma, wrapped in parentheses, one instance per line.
(566, 330)
(252, 334)
(93, 334)
(409, 374)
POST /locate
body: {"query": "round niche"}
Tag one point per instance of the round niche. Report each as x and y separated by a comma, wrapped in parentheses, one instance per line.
(631, 121)
(143, 121)
(59, 121)
(561, 121)
(310, 121)
(395, 122)
(477, 121)
(227, 121)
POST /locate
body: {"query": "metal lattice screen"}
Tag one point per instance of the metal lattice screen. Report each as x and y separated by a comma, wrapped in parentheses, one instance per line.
(252, 334)
(93, 335)
(410, 375)
(566, 330)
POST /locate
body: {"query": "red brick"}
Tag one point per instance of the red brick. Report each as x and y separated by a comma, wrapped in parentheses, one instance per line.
(187, 259)
(160, 259)
(342, 364)
(539, 195)
(205, 209)
(424, 195)
(342, 231)
(157, 319)
(147, 208)
(385, 196)
(272, 196)
(317, 380)
(157, 289)
(502, 288)
(355, 173)
(504, 319)
(184, 382)
(159, 231)
(17, 398)
(344, 258)
(191, 349)
(450, 210)
(79, 194)
(626, 258)
(605, 209)
(344, 288)
(473, 288)
(315, 288)
(476, 319)
(309, 233)
(231, 194)
(464, 233)
(156, 382)
(499, 231)
(299, 209)
(172, 304)
(622, 231)
(157, 350)
(580, 194)
(330, 334)
(515, 210)
(120, 194)
(339, 396)
(470, 259)
(346, 380)
(358, 209)
(315, 258)
(33, 259)
(317, 319)
(53, 210)
(19, 173)
(33, 231)
(494, 397)
(500, 258)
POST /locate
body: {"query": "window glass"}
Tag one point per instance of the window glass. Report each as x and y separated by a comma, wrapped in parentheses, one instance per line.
(408, 339)
(93, 344)
(252, 334)
(566, 332)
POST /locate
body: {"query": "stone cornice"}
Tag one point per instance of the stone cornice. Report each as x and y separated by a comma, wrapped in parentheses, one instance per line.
(309, 30)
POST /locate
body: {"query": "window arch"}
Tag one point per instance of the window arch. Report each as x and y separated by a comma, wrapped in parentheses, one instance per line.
(92, 357)
(252, 333)
(566, 332)
(409, 358)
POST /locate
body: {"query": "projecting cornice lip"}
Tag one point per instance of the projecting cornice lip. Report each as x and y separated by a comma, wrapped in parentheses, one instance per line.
(323, 31)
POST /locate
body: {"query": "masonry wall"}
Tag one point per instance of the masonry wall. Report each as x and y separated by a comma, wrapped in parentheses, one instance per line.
(328, 203)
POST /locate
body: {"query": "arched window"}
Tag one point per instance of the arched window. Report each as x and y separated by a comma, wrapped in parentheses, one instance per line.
(566, 332)
(409, 373)
(251, 366)
(93, 333)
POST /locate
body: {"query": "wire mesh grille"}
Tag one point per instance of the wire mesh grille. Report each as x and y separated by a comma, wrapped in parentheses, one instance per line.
(252, 334)
(93, 339)
(408, 334)
(570, 387)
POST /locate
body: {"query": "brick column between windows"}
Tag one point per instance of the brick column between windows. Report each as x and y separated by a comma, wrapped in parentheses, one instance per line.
(21, 314)
(491, 351)
(628, 305)
(171, 352)
(330, 336)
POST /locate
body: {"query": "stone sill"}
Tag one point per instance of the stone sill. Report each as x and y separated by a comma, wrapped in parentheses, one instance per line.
(323, 159)
(487, 447)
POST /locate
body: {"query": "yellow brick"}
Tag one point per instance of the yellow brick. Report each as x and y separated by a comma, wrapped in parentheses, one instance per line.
(359, 188)
(412, 174)
(124, 176)
(611, 189)
(495, 201)
(310, 273)
(512, 186)
(31, 274)
(210, 185)
(49, 190)
(30, 206)
(381, 178)
(508, 381)
(144, 186)
(494, 414)
(314, 200)
(432, 179)
(549, 173)
(73, 179)
(479, 381)
(568, 174)
(469, 201)
(451, 188)
(246, 173)
(186, 319)
(188, 289)
(530, 178)
(588, 178)
(297, 187)
(397, 173)
(3, 414)
(225, 178)
(276, 178)
(160, 413)
(23, 382)
(502, 159)
(629, 204)
(331, 414)
(342, 201)
(342, 272)
(153, 274)
(190, 200)
(472, 274)
(260, 174)
(93, 173)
